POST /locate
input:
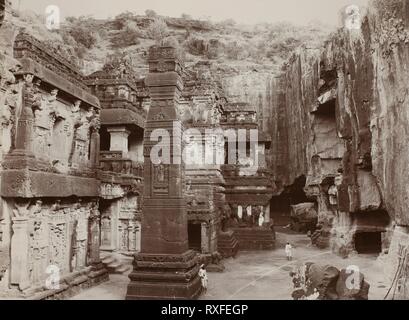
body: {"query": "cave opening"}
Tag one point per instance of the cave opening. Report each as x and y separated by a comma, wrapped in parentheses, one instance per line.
(280, 205)
(370, 227)
(368, 242)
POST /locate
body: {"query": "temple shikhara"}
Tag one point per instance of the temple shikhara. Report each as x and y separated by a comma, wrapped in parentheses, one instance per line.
(143, 175)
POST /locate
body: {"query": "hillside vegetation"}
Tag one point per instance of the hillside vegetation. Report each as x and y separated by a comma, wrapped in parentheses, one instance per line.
(90, 43)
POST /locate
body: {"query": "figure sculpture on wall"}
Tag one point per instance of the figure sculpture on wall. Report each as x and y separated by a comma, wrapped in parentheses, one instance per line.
(10, 101)
(160, 173)
(82, 136)
(200, 113)
(38, 242)
(73, 252)
(44, 117)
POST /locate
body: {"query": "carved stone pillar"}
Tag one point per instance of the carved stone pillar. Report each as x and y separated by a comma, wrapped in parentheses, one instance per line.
(165, 268)
(24, 130)
(119, 139)
(95, 144)
(19, 269)
(205, 236)
(94, 236)
(95, 149)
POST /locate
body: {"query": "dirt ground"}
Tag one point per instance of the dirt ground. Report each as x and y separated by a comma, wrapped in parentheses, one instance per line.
(261, 275)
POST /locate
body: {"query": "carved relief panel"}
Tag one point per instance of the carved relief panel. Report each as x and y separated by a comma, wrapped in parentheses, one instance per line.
(44, 110)
(160, 179)
(38, 251)
(59, 240)
(82, 134)
(106, 229)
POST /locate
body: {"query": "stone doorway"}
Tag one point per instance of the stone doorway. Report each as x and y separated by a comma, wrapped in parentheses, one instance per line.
(368, 242)
(194, 231)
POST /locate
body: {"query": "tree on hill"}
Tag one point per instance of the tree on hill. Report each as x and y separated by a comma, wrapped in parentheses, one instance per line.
(150, 13)
(158, 31)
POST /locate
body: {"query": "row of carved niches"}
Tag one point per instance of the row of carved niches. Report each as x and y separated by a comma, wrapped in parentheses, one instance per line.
(239, 117)
(58, 233)
(116, 91)
(61, 129)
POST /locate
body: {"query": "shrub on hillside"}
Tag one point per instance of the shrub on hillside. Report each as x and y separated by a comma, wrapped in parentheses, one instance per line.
(128, 36)
(215, 49)
(232, 50)
(150, 13)
(158, 31)
(84, 36)
(121, 20)
(173, 42)
(195, 45)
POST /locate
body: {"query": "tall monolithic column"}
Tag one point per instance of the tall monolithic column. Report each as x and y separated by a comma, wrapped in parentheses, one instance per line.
(165, 268)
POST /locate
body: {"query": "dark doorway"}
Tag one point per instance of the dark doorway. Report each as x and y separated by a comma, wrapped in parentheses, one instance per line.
(368, 242)
(194, 232)
(105, 139)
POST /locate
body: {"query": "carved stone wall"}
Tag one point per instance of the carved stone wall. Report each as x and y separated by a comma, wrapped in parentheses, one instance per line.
(120, 219)
(200, 110)
(49, 192)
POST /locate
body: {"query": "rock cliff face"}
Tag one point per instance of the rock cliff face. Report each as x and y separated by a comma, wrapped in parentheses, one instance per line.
(340, 118)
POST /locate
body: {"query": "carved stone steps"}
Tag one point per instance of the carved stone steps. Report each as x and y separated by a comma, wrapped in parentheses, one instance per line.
(227, 244)
(108, 259)
(116, 263)
(255, 238)
(123, 269)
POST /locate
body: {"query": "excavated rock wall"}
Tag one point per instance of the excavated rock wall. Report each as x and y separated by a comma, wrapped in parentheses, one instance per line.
(340, 117)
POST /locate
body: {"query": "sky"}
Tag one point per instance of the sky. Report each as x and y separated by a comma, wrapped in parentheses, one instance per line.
(299, 12)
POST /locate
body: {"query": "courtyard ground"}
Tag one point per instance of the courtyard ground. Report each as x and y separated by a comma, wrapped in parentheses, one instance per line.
(260, 275)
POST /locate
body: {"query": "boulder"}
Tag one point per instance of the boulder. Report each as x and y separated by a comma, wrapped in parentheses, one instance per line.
(329, 283)
(304, 217)
(324, 279)
(351, 285)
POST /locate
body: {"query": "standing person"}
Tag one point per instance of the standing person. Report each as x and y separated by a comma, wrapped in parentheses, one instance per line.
(203, 277)
(289, 251)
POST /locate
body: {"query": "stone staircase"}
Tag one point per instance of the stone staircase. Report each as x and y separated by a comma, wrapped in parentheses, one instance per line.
(116, 263)
(227, 244)
(255, 238)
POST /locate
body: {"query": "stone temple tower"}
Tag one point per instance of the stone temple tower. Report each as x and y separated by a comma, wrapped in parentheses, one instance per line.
(165, 268)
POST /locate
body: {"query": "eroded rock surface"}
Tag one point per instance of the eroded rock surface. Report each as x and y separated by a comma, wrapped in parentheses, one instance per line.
(344, 118)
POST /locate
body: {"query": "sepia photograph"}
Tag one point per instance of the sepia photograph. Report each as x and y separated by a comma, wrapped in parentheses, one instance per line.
(192, 152)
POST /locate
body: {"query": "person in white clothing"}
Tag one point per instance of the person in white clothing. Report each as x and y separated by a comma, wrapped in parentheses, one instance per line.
(289, 251)
(203, 277)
